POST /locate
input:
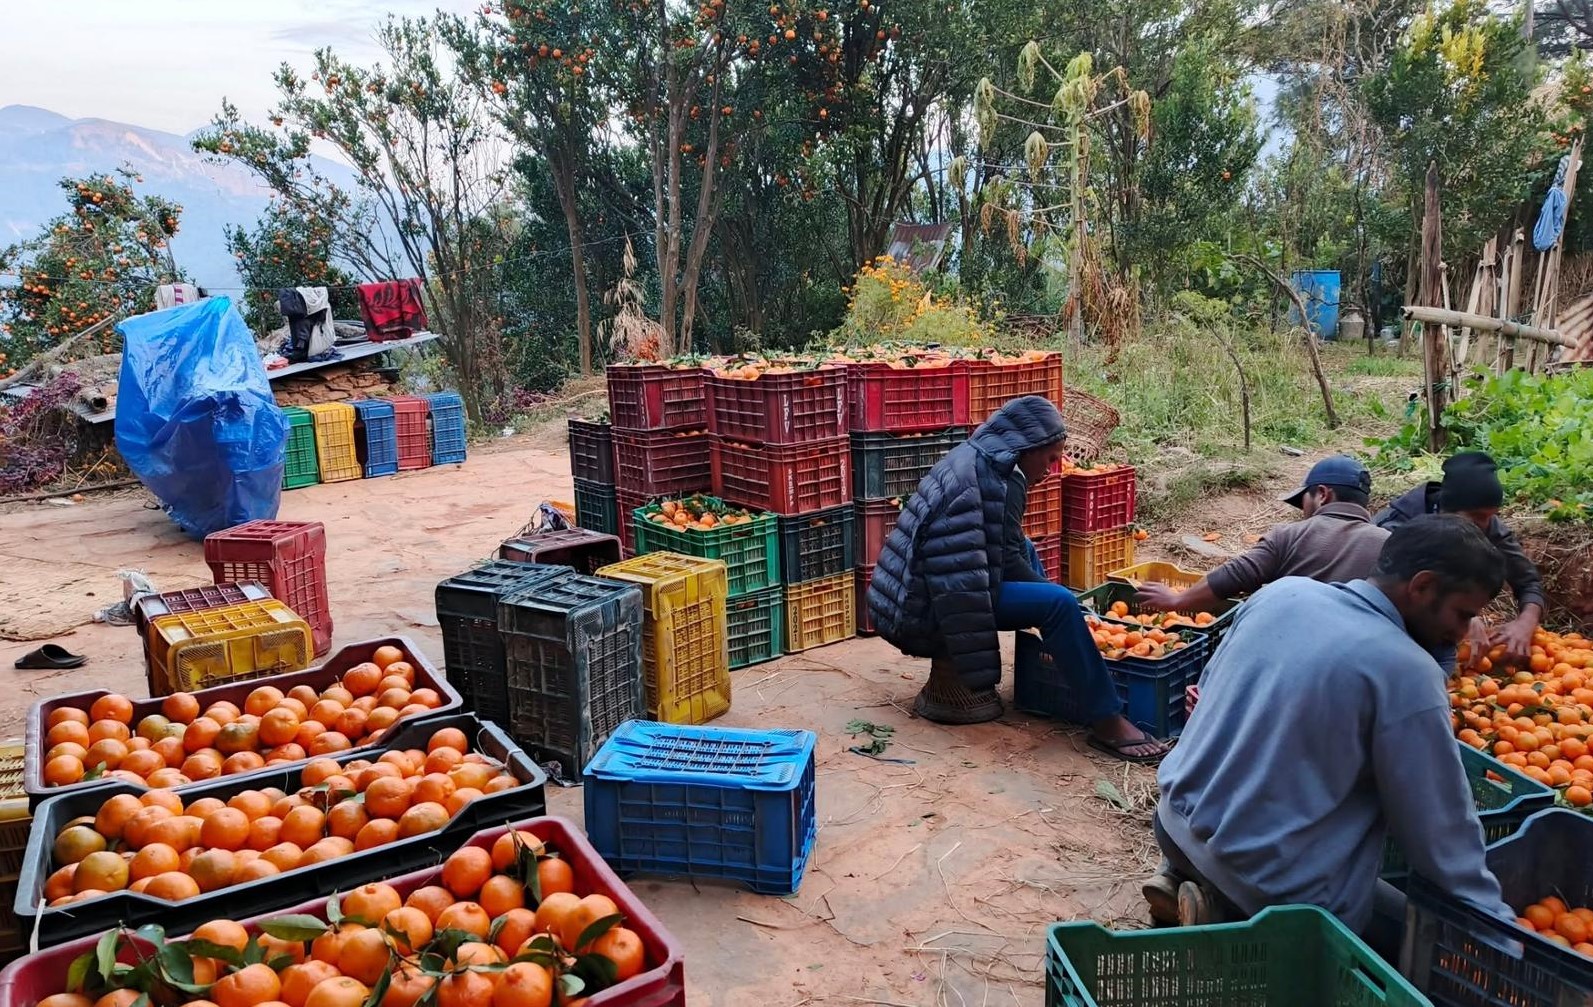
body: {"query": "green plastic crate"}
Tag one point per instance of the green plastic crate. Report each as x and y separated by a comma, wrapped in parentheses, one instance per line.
(1286, 956)
(301, 469)
(751, 551)
(1504, 801)
(1102, 596)
(756, 627)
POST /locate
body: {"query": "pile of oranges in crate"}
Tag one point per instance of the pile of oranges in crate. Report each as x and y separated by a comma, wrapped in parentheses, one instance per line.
(696, 513)
(1539, 718)
(500, 927)
(184, 744)
(158, 844)
(1118, 641)
(1553, 919)
(1161, 620)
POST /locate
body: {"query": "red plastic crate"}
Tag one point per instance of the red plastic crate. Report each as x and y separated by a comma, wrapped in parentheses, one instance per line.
(1191, 697)
(410, 414)
(991, 386)
(872, 525)
(625, 504)
(1042, 513)
(1097, 501)
(288, 557)
(662, 983)
(662, 462)
(783, 478)
(1051, 553)
(796, 408)
(865, 622)
(905, 400)
(655, 397)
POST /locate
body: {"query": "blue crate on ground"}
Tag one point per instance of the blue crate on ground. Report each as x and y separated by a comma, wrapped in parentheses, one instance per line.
(1152, 691)
(375, 437)
(447, 427)
(712, 803)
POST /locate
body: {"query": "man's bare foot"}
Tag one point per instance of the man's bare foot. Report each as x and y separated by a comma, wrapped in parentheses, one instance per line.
(1118, 737)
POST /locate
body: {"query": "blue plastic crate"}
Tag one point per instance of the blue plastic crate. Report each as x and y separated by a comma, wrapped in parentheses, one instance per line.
(375, 437)
(447, 427)
(705, 803)
(1152, 691)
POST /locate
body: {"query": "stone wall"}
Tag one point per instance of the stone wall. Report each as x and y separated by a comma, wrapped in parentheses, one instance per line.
(337, 383)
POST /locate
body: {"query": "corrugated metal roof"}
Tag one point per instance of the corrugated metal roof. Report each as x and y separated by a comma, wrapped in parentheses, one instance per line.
(921, 246)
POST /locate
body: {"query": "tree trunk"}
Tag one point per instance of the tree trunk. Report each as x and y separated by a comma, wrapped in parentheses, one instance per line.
(564, 182)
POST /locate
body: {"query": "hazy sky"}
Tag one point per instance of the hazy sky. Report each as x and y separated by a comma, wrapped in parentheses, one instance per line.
(166, 64)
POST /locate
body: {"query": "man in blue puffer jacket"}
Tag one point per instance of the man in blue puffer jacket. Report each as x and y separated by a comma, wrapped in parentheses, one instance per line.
(955, 571)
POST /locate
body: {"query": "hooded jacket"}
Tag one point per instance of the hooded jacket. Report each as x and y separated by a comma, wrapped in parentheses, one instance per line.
(1526, 583)
(933, 592)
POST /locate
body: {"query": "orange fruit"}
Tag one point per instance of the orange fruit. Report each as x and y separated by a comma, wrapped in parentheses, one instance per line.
(431, 900)
(423, 818)
(466, 916)
(591, 909)
(65, 748)
(263, 700)
(466, 870)
(308, 731)
(388, 797)
(201, 733)
(118, 998)
(443, 759)
(412, 923)
(498, 784)
(1578, 796)
(429, 698)
(152, 860)
(180, 708)
(515, 927)
(1572, 927)
(303, 826)
(555, 912)
(66, 1000)
(554, 876)
(304, 694)
(214, 869)
(102, 871)
(278, 726)
(371, 902)
(64, 770)
(326, 711)
(376, 832)
(434, 787)
(407, 987)
(112, 707)
(298, 980)
(448, 737)
(351, 723)
(113, 815)
(1556, 904)
(76, 842)
(255, 870)
(472, 775)
(152, 728)
(478, 953)
(238, 736)
(624, 948)
(173, 886)
(329, 848)
(499, 894)
(370, 774)
(380, 719)
(346, 819)
(59, 884)
(460, 798)
(364, 955)
(386, 655)
(339, 991)
(506, 848)
(68, 731)
(401, 669)
(62, 714)
(465, 989)
(142, 762)
(114, 730)
(225, 829)
(524, 984)
(225, 933)
(204, 806)
(326, 946)
(361, 679)
(107, 752)
(223, 712)
(328, 742)
(202, 765)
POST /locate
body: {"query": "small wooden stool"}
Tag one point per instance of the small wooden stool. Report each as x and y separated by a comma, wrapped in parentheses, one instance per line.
(945, 700)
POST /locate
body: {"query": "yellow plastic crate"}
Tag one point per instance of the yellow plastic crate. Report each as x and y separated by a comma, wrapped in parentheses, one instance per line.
(1156, 573)
(1089, 558)
(15, 819)
(334, 441)
(820, 612)
(214, 646)
(685, 642)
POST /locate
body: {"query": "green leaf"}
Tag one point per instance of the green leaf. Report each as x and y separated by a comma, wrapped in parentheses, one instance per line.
(77, 974)
(1107, 791)
(571, 985)
(105, 953)
(598, 971)
(295, 927)
(526, 859)
(334, 911)
(221, 952)
(597, 928)
(380, 989)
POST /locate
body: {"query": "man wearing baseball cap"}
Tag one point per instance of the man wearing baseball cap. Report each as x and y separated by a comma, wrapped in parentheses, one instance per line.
(1335, 543)
(1471, 488)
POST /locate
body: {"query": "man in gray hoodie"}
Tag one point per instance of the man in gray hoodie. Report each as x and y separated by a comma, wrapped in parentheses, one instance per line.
(1323, 727)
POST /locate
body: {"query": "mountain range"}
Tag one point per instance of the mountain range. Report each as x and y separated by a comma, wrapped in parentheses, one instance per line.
(39, 147)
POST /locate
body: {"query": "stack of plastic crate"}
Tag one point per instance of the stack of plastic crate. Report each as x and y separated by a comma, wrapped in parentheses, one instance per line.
(288, 557)
(779, 445)
(685, 652)
(467, 616)
(903, 421)
(147, 607)
(195, 650)
(1097, 524)
(660, 423)
(994, 380)
(592, 466)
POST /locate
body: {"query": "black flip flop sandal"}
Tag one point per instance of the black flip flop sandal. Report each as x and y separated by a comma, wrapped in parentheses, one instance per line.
(1116, 749)
(50, 657)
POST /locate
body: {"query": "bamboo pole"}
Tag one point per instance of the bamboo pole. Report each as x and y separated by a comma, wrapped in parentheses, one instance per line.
(1484, 323)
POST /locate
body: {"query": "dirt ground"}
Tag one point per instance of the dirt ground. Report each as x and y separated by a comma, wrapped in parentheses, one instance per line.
(933, 879)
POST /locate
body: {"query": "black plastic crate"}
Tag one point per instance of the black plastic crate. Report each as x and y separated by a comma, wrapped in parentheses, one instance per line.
(816, 544)
(885, 466)
(592, 451)
(1152, 691)
(584, 550)
(573, 655)
(467, 615)
(130, 909)
(1456, 954)
(755, 626)
(596, 508)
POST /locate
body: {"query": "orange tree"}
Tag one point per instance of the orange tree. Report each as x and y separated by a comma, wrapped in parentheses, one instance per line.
(101, 259)
(286, 248)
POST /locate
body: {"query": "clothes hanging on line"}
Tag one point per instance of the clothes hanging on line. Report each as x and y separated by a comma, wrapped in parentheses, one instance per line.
(392, 309)
(169, 295)
(308, 311)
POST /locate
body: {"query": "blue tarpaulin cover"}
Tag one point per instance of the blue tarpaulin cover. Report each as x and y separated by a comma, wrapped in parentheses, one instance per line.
(195, 417)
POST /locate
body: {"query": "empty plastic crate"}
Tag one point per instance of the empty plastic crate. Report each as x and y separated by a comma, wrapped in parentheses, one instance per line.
(886, 466)
(288, 557)
(1090, 558)
(595, 508)
(583, 550)
(375, 437)
(300, 467)
(467, 616)
(751, 551)
(447, 427)
(865, 621)
(573, 653)
(685, 652)
(1505, 799)
(1152, 690)
(656, 397)
(705, 803)
(662, 462)
(794, 408)
(783, 478)
(1285, 956)
(1096, 501)
(334, 441)
(991, 385)
(755, 626)
(235, 643)
(15, 818)
(876, 519)
(1455, 953)
(1049, 548)
(903, 400)
(148, 606)
(820, 612)
(591, 450)
(819, 544)
(411, 421)
(1042, 511)
(1155, 572)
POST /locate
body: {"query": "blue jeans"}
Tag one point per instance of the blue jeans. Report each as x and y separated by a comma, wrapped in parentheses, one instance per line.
(1052, 609)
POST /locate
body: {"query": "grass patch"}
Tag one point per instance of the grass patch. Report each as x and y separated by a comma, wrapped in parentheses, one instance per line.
(1172, 491)
(1355, 362)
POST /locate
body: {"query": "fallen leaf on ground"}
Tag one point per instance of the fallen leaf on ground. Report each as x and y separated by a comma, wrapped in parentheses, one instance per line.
(1211, 536)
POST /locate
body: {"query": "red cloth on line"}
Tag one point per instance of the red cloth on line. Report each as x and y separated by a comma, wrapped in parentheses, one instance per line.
(392, 309)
